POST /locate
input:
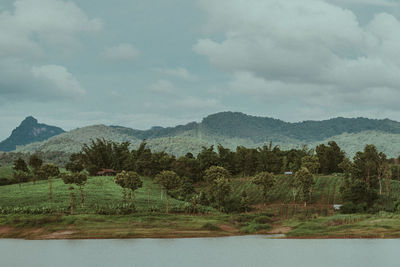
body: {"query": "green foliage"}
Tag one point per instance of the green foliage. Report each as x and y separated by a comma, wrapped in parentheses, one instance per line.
(168, 180)
(311, 163)
(220, 190)
(216, 172)
(265, 180)
(304, 180)
(329, 157)
(20, 165)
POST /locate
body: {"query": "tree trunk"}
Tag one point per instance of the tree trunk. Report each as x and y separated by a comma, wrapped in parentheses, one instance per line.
(72, 200)
(82, 197)
(166, 196)
(123, 195)
(380, 186)
(50, 188)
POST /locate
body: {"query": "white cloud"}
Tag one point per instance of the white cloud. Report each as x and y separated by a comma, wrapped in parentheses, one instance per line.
(121, 52)
(310, 51)
(20, 82)
(34, 23)
(63, 82)
(180, 73)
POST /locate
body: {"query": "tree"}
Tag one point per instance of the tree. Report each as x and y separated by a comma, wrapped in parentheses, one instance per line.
(80, 180)
(70, 179)
(207, 158)
(120, 179)
(168, 180)
(20, 176)
(132, 182)
(188, 167)
(311, 163)
(35, 162)
(346, 166)
(215, 172)
(220, 190)
(75, 164)
(329, 157)
(50, 170)
(20, 171)
(265, 180)
(102, 154)
(20, 165)
(244, 202)
(305, 181)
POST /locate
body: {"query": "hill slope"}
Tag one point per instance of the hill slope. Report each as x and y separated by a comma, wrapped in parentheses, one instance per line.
(232, 129)
(27, 132)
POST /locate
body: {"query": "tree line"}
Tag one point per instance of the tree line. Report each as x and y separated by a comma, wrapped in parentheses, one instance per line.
(365, 184)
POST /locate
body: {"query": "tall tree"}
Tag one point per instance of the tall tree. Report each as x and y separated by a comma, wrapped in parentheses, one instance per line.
(50, 171)
(207, 158)
(220, 190)
(132, 182)
(329, 157)
(311, 163)
(266, 181)
(21, 171)
(215, 172)
(305, 181)
(168, 180)
(35, 162)
(70, 179)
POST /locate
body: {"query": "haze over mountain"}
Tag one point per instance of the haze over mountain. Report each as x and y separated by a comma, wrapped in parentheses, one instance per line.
(27, 132)
(232, 129)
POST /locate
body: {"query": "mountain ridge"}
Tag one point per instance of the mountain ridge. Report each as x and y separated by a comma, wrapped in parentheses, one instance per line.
(232, 129)
(29, 131)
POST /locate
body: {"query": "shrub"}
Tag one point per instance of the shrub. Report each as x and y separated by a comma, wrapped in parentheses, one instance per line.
(263, 220)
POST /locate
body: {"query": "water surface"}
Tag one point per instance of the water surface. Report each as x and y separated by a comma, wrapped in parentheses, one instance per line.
(227, 251)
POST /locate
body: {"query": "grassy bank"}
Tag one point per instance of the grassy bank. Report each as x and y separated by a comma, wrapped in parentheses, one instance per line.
(382, 225)
(26, 212)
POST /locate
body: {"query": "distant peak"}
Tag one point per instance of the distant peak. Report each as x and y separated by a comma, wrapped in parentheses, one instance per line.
(29, 120)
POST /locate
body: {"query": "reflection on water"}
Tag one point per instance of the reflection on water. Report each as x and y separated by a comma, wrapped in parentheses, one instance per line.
(227, 251)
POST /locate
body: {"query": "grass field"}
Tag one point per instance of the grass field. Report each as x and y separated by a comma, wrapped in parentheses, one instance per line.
(382, 225)
(6, 172)
(150, 220)
(101, 192)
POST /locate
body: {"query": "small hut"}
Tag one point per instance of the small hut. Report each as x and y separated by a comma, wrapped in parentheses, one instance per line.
(107, 172)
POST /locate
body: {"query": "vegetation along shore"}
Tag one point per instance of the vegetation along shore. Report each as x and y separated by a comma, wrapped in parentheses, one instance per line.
(301, 193)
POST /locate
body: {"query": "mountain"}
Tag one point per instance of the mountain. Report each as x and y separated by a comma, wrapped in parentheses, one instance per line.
(234, 128)
(27, 132)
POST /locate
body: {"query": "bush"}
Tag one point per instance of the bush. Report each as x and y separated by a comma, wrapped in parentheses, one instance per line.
(255, 227)
(350, 207)
(115, 209)
(262, 220)
(210, 227)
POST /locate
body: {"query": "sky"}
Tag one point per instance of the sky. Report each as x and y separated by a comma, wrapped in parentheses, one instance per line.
(144, 63)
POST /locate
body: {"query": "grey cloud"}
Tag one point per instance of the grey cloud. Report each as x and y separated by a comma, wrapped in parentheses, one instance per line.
(121, 52)
(310, 49)
(21, 82)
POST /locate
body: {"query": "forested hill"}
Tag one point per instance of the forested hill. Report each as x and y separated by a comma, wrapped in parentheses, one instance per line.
(27, 132)
(232, 129)
(259, 129)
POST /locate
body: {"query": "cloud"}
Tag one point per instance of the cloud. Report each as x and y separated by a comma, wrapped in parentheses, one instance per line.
(20, 82)
(34, 23)
(62, 81)
(383, 3)
(311, 52)
(162, 86)
(180, 73)
(121, 52)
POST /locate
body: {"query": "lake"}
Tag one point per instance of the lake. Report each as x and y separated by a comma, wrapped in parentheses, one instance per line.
(227, 251)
